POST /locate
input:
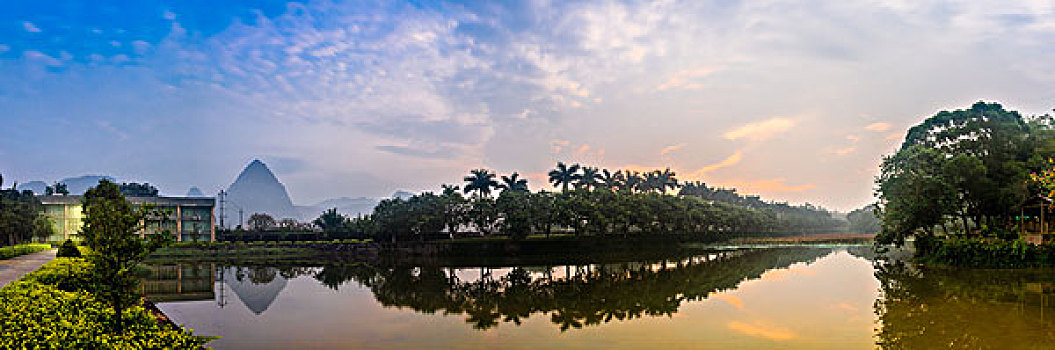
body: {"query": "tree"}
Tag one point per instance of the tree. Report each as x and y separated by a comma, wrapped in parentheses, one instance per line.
(61, 189)
(864, 220)
(480, 181)
(564, 175)
(513, 182)
(261, 222)
(20, 216)
(111, 230)
(589, 178)
(138, 190)
(455, 208)
(331, 221)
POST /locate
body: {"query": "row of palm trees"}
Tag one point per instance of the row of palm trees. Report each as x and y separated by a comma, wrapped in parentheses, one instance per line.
(483, 181)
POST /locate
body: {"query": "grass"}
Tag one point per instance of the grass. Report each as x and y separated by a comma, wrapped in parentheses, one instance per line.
(22, 249)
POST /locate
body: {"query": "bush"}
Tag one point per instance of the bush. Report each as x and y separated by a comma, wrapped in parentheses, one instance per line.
(68, 250)
(982, 252)
(53, 307)
(22, 249)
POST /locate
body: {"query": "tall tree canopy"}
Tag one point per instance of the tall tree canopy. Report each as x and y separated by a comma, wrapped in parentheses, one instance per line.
(962, 170)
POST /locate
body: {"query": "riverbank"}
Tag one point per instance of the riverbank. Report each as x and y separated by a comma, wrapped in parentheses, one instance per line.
(494, 250)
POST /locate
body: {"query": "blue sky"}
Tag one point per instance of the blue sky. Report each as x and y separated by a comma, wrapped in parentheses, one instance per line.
(795, 101)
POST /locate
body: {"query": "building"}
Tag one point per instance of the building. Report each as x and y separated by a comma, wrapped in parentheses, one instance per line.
(1035, 220)
(190, 218)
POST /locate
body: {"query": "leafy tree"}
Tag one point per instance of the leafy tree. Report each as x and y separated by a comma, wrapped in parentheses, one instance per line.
(864, 219)
(261, 222)
(20, 216)
(331, 221)
(481, 181)
(513, 182)
(138, 190)
(111, 230)
(564, 175)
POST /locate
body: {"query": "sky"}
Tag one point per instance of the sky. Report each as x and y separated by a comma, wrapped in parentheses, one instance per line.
(795, 101)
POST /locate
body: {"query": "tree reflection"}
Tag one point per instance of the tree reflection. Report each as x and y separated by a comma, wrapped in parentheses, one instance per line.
(926, 308)
(591, 295)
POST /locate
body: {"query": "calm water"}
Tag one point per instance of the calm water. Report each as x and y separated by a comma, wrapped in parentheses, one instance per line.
(780, 298)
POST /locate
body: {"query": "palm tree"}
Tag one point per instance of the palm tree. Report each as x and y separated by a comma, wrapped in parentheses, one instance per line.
(589, 178)
(666, 179)
(480, 181)
(610, 179)
(633, 181)
(513, 182)
(564, 175)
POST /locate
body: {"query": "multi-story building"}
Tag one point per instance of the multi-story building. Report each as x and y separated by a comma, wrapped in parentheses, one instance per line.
(189, 218)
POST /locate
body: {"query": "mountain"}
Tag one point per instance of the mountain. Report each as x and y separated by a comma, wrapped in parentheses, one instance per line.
(76, 185)
(38, 187)
(195, 192)
(345, 205)
(257, 190)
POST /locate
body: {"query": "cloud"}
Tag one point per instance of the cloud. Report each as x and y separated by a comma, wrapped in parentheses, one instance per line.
(666, 151)
(106, 126)
(556, 146)
(770, 186)
(759, 131)
(729, 161)
(844, 151)
(762, 330)
(687, 79)
(878, 127)
(41, 57)
(732, 300)
(438, 153)
(30, 27)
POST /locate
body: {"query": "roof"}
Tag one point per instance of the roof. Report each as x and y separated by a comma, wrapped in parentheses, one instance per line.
(160, 200)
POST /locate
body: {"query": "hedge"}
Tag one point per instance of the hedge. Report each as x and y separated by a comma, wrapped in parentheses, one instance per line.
(987, 252)
(22, 249)
(52, 308)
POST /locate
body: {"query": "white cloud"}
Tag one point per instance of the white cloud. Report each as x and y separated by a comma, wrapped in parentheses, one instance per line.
(687, 79)
(878, 127)
(30, 27)
(759, 131)
(666, 151)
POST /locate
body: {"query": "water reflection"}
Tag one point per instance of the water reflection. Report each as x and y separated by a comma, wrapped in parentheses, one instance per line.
(926, 308)
(572, 296)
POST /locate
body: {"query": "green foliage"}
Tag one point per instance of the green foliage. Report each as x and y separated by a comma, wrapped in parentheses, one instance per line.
(138, 189)
(20, 217)
(54, 307)
(961, 171)
(68, 249)
(22, 249)
(987, 252)
(111, 230)
(261, 222)
(481, 181)
(864, 220)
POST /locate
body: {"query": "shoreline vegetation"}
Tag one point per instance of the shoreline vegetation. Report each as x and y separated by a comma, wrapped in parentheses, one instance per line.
(972, 188)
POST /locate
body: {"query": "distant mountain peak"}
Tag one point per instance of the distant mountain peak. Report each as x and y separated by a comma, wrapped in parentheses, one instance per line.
(258, 190)
(195, 192)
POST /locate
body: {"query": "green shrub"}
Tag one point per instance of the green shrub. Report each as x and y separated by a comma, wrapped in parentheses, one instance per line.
(991, 252)
(22, 249)
(68, 250)
(53, 307)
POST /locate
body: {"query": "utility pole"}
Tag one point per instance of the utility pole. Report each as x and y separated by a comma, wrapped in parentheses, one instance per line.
(240, 217)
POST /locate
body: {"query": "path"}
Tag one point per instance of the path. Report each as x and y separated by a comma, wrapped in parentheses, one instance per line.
(13, 269)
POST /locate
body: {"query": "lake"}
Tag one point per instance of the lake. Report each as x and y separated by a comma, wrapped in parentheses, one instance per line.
(757, 298)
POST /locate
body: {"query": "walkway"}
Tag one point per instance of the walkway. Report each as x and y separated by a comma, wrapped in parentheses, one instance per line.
(13, 269)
